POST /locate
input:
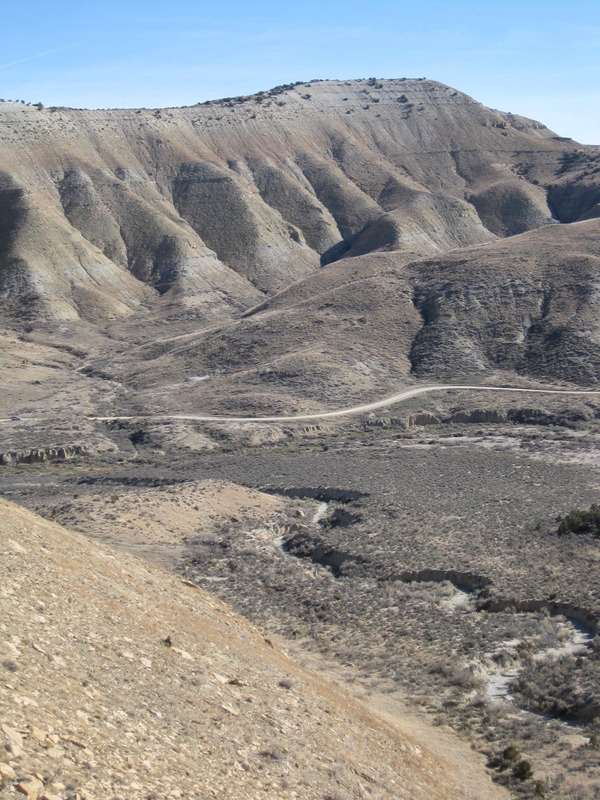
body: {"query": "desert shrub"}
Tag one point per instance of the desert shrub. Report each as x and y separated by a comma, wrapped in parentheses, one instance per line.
(581, 521)
(511, 753)
(522, 770)
(502, 760)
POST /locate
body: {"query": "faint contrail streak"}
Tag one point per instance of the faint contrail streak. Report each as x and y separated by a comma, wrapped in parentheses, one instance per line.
(37, 55)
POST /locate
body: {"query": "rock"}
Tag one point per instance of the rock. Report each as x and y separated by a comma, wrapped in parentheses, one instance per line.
(236, 682)
(37, 733)
(30, 787)
(13, 736)
(6, 771)
(424, 418)
(183, 653)
(27, 701)
(39, 455)
(78, 743)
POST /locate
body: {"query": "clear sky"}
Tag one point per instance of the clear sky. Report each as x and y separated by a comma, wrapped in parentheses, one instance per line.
(540, 59)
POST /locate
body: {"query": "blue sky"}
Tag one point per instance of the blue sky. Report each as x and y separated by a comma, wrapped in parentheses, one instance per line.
(540, 59)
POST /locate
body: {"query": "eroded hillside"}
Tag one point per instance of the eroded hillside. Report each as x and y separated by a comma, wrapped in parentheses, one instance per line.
(522, 306)
(203, 210)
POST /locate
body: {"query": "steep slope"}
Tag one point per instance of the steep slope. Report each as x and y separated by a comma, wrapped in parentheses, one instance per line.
(120, 680)
(212, 206)
(526, 304)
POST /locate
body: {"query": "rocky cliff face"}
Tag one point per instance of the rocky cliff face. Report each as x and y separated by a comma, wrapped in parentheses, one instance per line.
(210, 207)
(40, 454)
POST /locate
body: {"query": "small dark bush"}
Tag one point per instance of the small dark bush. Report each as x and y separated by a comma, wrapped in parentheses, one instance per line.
(578, 521)
(139, 437)
(522, 770)
(511, 753)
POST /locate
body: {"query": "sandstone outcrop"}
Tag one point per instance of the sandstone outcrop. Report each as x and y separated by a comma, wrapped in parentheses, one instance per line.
(38, 455)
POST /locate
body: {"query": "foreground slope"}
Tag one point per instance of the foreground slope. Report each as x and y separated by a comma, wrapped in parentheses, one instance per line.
(204, 209)
(119, 679)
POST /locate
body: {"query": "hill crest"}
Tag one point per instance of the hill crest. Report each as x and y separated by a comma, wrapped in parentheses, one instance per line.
(204, 210)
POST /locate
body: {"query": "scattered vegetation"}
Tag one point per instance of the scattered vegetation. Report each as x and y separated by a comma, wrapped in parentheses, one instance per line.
(581, 521)
(569, 159)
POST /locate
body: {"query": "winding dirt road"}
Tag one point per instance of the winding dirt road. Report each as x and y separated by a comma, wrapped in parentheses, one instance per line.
(344, 412)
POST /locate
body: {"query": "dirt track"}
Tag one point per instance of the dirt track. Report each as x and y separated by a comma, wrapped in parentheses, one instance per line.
(362, 409)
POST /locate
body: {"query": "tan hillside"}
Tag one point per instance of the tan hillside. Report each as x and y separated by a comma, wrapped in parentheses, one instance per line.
(157, 523)
(121, 680)
(104, 213)
(363, 326)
